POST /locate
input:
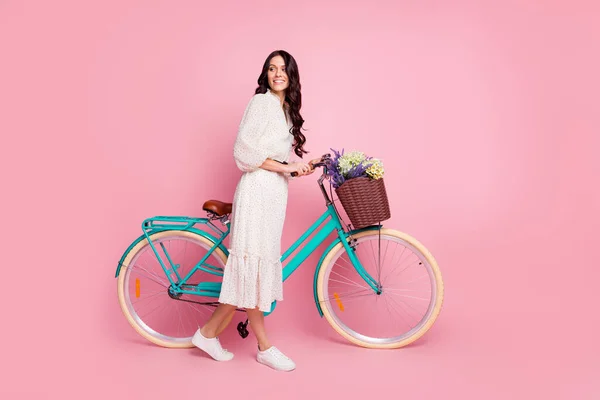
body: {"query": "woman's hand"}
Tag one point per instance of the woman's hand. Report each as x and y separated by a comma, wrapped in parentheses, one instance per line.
(301, 168)
(312, 163)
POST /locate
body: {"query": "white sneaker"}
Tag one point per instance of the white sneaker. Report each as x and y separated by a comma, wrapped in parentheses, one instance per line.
(211, 346)
(275, 359)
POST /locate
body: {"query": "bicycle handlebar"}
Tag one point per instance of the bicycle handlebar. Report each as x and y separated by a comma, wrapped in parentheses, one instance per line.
(321, 163)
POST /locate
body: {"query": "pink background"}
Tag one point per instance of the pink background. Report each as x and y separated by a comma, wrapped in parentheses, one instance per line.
(485, 114)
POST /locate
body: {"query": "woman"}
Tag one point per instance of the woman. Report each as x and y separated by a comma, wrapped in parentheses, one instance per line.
(252, 278)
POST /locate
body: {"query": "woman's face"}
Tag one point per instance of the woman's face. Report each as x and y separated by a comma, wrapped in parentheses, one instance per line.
(278, 79)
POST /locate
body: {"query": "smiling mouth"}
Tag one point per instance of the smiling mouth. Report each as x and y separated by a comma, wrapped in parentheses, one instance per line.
(278, 82)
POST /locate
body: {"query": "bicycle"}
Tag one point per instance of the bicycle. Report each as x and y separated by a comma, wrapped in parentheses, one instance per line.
(350, 282)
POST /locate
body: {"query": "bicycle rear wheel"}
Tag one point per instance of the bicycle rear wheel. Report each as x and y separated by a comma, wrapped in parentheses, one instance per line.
(411, 290)
(156, 313)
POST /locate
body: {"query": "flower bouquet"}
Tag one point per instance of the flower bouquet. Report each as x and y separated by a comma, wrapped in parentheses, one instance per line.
(358, 183)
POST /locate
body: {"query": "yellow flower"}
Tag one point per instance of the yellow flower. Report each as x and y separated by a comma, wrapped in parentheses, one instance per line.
(375, 170)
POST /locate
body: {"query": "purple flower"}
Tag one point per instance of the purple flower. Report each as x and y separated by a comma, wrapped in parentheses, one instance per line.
(332, 169)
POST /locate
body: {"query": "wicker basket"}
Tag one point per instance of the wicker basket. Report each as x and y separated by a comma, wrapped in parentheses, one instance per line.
(365, 201)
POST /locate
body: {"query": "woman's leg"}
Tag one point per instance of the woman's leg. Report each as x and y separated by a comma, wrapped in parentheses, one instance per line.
(257, 323)
(267, 354)
(206, 339)
(225, 322)
(219, 319)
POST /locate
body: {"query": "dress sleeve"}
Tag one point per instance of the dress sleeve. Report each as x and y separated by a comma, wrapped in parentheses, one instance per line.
(248, 152)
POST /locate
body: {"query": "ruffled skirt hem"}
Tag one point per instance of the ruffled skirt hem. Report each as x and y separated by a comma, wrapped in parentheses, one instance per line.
(251, 281)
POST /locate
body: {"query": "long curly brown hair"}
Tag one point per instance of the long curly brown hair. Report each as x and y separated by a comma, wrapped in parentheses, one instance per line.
(293, 96)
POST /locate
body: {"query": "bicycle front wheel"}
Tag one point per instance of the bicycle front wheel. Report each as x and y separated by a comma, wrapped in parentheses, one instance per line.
(407, 304)
(151, 308)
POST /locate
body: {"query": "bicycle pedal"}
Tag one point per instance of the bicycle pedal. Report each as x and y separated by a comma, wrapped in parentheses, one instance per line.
(243, 330)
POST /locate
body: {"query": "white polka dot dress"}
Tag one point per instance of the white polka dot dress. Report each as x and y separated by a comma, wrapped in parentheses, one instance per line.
(253, 273)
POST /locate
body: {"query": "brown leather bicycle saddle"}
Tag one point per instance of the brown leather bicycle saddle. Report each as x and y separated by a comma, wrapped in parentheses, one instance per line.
(218, 207)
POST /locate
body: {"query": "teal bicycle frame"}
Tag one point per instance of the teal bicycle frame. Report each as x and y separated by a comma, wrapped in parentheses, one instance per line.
(327, 223)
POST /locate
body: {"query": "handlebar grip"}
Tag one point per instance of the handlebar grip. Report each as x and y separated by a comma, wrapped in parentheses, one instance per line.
(319, 164)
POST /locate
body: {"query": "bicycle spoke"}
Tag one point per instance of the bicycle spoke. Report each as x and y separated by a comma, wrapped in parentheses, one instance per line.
(405, 295)
(148, 296)
(350, 280)
(416, 262)
(189, 323)
(398, 263)
(354, 297)
(384, 258)
(374, 260)
(394, 320)
(178, 311)
(348, 294)
(148, 313)
(193, 307)
(350, 267)
(419, 278)
(153, 277)
(394, 305)
(184, 252)
(387, 289)
(152, 299)
(394, 255)
(408, 305)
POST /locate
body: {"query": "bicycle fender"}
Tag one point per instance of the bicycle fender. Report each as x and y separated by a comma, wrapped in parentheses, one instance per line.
(153, 231)
(320, 263)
